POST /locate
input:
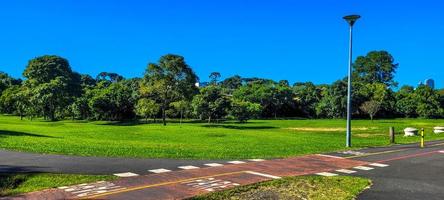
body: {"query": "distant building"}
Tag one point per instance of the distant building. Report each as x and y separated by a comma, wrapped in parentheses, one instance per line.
(428, 82)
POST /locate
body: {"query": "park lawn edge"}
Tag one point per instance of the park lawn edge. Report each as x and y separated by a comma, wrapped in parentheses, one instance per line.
(304, 187)
(13, 184)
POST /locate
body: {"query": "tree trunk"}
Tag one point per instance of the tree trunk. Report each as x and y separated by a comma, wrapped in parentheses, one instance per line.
(180, 122)
(209, 119)
(164, 116)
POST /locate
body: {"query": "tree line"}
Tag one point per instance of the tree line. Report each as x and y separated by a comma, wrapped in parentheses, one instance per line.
(168, 89)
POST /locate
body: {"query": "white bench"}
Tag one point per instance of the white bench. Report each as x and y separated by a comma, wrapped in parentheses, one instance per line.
(410, 131)
(438, 129)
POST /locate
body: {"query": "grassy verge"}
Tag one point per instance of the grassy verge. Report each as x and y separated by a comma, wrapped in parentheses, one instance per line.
(13, 184)
(229, 140)
(304, 187)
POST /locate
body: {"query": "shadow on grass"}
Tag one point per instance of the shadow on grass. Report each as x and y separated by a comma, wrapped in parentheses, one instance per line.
(238, 127)
(4, 133)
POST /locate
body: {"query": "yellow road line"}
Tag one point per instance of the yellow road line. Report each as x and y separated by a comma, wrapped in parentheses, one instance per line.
(389, 151)
(161, 184)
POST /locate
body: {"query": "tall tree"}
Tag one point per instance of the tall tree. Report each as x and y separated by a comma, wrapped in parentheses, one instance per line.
(232, 83)
(371, 108)
(214, 77)
(147, 108)
(376, 67)
(53, 83)
(171, 79)
(211, 103)
(307, 95)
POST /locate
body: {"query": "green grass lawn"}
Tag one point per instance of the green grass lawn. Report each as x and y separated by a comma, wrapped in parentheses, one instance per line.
(303, 187)
(13, 184)
(256, 139)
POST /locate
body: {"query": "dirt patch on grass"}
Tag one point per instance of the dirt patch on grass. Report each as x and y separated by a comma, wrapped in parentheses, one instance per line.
(367, 135)
(317, 188)
(321, 129)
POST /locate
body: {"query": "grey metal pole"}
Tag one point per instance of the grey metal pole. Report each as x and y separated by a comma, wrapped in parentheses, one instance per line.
(351, 19)
(349, 90)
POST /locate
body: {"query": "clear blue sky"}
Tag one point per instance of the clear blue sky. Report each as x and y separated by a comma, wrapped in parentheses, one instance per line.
(279, 39)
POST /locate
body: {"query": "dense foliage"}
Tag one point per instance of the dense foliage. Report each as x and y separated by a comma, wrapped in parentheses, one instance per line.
(168, 90)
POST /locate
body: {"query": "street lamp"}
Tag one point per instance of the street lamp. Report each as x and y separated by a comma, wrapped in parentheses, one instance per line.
(351, 19)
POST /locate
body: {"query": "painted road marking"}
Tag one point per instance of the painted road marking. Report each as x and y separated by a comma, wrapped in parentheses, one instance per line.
(188, 167)
(165, 183)
(158, 171)
(126, 174)
(262, 174)
(236, 162)
(326, 174)
(355, 153)
(213, 164)
(256, 160)
(210, 184)
(330, 156)
(346, 171)
(83, 190)
(378, 165)
(363, 168)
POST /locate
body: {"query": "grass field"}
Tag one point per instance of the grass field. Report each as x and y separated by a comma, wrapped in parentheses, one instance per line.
(256, 139)
(303, 187)
(12, 184)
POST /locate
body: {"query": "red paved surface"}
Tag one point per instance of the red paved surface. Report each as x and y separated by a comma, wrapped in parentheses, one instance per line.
(183, 184)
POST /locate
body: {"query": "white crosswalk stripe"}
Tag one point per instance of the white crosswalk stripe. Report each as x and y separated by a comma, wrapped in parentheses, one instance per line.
(363, 168)
(158, 171)
(256, 160)
(236, 162)
(188, 167)
(326, 174)
(378, 165)
(214, 164)
(346, 171)
(126, 174)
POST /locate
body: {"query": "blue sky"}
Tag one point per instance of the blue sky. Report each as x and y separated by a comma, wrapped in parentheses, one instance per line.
(279, 39)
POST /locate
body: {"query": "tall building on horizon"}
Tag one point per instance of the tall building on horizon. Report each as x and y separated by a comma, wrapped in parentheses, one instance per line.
(429, 82)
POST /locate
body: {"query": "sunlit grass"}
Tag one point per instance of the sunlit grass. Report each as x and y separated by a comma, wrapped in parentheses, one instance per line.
(256, 139)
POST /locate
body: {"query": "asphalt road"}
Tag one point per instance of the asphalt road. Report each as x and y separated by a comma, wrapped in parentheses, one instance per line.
(412, 172)
(13, 162)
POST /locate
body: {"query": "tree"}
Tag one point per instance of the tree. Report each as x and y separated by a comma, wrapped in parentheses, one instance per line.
(232, 83)
(168, 81)
(6, 81)
(244, 110)
(214, 76)
(307, 95)
(405, 102)
(53, 84)
(333, 102)
(274, 98)
(211, 103)
(371, 108)
(180, 106)
(147, 108)
(113, 102)
(428, 105)
(376, 67)
(109, 77)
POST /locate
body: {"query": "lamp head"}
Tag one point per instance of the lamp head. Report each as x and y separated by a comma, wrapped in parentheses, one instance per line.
(351, 19)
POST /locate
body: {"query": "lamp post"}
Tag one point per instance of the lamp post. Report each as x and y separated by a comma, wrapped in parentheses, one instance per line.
(351, 19)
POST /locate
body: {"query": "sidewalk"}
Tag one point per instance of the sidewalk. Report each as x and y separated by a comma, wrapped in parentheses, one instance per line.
(192, 182)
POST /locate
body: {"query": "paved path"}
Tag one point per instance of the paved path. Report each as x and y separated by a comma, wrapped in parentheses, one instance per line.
(398, 172)
(11, 161)
(191, 182)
